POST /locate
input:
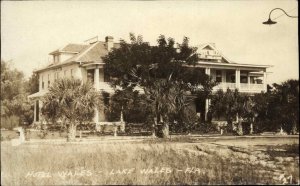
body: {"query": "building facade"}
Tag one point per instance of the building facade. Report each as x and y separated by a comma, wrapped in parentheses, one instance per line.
(84, 61)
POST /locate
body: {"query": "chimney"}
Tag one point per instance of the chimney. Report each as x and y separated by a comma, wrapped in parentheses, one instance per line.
(109, 42)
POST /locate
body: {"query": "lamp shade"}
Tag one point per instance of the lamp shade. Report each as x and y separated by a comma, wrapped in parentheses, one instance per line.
(269, 22)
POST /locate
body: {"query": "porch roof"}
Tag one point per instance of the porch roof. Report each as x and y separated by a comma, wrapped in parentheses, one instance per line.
(216, 65)
(36, 95)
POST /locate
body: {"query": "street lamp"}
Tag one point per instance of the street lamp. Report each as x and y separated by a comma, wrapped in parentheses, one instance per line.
(270, 22)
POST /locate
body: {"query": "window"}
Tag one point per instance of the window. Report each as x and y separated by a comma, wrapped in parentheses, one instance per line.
(56, 75)
(233, 79)
(218, 76)
(56, 58)
(90, 75)
(48, 80)
(106, 77)
(42, 82)
(65, 73)
(71, 72)
(244, 79)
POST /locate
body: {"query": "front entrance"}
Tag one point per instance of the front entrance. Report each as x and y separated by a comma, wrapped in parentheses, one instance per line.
(200, 108)
(246, 128)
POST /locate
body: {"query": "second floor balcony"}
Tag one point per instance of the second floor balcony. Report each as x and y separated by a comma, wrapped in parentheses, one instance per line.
(242, 87)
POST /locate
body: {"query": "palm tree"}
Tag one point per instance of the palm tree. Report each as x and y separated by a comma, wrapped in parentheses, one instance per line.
(231, 103)
(73, 100)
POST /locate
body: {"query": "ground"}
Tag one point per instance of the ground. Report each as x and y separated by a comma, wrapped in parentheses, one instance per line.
(143, 160)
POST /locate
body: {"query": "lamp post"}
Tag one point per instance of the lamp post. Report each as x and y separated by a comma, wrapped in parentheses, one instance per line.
(270, 22)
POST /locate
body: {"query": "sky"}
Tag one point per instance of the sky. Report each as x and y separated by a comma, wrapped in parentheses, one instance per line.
(31, 30)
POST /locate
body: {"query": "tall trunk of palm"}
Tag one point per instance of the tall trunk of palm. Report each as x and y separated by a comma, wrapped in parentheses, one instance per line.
(72, 132)
(240, 128)
(166, 133)
(251, 125)
(165, 129)
(154, 127)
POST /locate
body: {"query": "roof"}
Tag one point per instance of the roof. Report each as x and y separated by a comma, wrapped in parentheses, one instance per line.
(37, 95)
(213, 47)
(208, 63)
(71, 48)
(94, 52)
(86, 53)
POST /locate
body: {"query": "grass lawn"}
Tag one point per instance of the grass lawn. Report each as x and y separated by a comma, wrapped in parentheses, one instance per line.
(185, 161)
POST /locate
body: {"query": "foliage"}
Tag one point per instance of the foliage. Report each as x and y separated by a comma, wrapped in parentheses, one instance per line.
(231, 104)
(131, 103)
(279, 107)
(163, 71)
(72, 101)
(11, 81)
(14, 96)
(269, 111)
(32, 85)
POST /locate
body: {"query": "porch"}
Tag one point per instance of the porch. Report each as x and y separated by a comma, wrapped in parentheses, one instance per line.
(246, 80)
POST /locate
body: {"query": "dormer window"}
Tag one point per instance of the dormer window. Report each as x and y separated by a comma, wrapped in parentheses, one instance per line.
(56, 58)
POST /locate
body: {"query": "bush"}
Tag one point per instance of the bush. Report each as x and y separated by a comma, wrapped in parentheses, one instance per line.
(42, 134)
(208, 127)
(10, 122)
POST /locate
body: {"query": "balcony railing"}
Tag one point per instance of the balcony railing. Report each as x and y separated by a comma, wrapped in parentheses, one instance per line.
(243, 87)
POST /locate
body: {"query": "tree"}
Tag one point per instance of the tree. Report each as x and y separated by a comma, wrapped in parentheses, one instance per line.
(14, 101)
(278, 108)
(130, 102)
(288, 98)
(265, 109)
(72, 100)
(12, 81)
(231, 104)
(32, 85)
(162, 71)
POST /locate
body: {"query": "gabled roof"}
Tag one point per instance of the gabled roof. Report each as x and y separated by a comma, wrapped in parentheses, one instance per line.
(70, 48)
(94, 53)
(85, 54)
(211, 46)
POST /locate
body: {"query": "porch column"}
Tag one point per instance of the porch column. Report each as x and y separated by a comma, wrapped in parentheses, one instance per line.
(34, 112)
(265, 81)
(207, 101)
(96, 78)
(248, 81)
(224, 80)
(207, 104)
(207, 71)
(96, 85)
(237, 78)
(96, 117)
(40, 113)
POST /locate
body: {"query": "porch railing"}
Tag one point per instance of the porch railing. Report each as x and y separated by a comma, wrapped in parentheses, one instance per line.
(243, 87)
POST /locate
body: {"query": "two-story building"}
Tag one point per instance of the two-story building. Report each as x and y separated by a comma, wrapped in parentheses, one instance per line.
(84, 61)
